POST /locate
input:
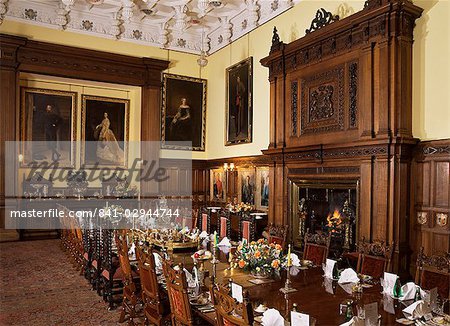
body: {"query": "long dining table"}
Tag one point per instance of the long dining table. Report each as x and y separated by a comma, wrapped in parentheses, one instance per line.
(315, 296)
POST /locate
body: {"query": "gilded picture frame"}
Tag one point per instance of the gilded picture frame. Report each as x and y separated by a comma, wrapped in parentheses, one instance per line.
(183, 113)
(48, 127)
(246, 185)
(239, 103)
(104, 131)
(262, 188)
(217, 185)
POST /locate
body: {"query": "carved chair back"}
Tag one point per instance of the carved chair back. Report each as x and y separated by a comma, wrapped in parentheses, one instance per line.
(224, 223)
(317, 246)
(247, 226)
(374, 258)
(277, 234)
(434, 271)
(204, 220)
(178, 294)
(228, 310)
(195, 213)
(153, 297)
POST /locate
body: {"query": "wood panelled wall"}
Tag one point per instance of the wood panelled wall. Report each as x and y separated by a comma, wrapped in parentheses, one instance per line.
(431, 191)
(197, 172)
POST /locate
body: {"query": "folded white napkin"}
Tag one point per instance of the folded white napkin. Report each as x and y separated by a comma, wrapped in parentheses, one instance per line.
(329, 266)
(388, 282)
(204, 234)
(224, 249)
(348, 275)
(190, 279)
(294, 270)
(295, 261)
(328, 284)
(132, 251)
(272, 317)
(409, 291)
(416, 310)
(158, 263)
(225, 242)
(299, 319)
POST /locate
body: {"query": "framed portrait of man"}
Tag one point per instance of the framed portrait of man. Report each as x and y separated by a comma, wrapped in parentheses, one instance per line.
(246, 186)
(48, 126)
(218, 185)
(104, 131)
(262, 188)
(183, 115)
(239, 103)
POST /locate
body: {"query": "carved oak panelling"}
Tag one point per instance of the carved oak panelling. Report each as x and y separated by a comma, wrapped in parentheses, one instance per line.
(325, 170)
(323, 102)
(353, 89)
(294, 106)
(338, 153)
(431, 150)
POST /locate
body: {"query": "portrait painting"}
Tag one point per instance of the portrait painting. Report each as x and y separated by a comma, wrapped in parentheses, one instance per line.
(48, 126)
(246, 186)
(239, 107)
(262, 188)
(183, 115)
(217, 185)
(104, 131)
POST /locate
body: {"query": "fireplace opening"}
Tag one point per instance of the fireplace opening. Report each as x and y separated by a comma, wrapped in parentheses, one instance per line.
(325, 206)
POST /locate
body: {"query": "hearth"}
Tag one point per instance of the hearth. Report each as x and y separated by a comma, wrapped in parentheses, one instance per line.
(329, 206)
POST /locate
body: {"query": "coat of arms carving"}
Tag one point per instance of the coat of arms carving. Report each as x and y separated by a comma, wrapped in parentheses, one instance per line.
(422, 217)
(441, 219)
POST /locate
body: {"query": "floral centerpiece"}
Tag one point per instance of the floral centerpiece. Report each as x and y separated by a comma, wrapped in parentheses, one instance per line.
(241, 207)
(260, 258)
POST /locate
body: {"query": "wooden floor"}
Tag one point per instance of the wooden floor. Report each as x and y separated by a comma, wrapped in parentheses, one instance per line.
(39, 286)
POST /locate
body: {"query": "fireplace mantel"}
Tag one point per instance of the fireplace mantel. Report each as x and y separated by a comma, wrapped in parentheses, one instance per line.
(341, 108)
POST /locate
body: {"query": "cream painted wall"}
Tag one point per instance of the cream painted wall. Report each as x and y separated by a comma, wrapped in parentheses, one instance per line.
(431, 71)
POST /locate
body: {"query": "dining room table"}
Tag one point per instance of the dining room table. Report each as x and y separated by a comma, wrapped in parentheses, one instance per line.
(315, 295)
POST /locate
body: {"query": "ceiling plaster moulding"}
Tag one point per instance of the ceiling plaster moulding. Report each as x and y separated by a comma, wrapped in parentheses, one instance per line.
(153, 22)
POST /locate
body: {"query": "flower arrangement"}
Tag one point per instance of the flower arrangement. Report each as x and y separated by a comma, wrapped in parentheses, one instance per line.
(241, 207)
(260, 257)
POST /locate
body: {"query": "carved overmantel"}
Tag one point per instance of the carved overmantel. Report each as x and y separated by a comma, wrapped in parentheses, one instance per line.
(340, 107)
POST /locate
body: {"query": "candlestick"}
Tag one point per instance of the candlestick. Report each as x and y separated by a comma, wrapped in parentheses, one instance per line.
(289, 256)
(288, 286)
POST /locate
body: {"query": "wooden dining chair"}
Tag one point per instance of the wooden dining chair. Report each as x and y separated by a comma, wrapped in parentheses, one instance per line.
(131, 289)
(155, 300)
(434, 271)
(182, 314)
(277, 234)
(247, 226)
(317, 246)
(204, 220)
(374, 258)
(224, 223)
(229, 312)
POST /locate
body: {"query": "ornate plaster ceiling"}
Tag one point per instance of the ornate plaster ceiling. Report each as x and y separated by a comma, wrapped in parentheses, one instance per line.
(183, 25)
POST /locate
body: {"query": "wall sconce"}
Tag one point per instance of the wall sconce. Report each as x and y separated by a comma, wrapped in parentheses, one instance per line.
(229, 167)
(20, 158)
